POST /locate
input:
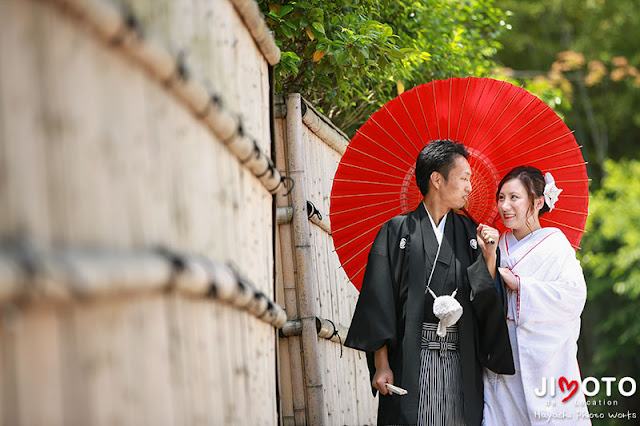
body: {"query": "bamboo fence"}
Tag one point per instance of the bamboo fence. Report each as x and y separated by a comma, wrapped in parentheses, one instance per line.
(146, 274)
(126, 126)
(311, 285)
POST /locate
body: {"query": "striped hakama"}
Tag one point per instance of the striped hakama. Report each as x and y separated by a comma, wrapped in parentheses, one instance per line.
(441, 400)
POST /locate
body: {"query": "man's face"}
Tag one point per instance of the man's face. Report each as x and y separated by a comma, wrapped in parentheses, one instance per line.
(455, 190)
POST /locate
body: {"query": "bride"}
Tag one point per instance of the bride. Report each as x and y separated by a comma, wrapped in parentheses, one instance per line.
(546, 295)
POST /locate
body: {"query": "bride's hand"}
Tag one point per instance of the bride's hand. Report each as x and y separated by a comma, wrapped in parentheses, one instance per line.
(509, 278)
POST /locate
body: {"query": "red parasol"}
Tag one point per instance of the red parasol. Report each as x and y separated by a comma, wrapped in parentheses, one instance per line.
(503, 126)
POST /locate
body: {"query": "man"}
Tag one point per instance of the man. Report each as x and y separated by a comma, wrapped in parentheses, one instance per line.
(394, 320)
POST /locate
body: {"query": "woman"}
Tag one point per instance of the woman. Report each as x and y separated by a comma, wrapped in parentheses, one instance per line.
(546, 295)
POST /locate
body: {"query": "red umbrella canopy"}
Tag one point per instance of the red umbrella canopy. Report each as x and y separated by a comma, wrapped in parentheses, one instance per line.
(503, 126)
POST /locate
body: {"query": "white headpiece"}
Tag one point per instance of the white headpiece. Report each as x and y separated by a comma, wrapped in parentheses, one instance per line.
(551, 191)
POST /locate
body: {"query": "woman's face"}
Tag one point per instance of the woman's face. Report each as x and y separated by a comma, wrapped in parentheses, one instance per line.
(514, 206)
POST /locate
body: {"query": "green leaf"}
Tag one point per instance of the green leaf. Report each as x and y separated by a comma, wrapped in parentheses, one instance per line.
(317, 13)
(395, 54)
(318, 27)
(286, 31)
(290, 56)
(285, 10)
(342, 57)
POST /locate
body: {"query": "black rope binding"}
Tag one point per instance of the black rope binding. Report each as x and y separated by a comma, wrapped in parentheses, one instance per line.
(132, 22)
(270, 168)
(335, 333)
(181, 61)
(313, 211)
(283, 180)
(254, 154)
(177, 262)
(238, 133)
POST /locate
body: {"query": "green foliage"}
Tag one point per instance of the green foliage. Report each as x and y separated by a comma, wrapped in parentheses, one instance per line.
(349, 57)
(613, 229)
(586, 49)
(610, 258)
(614, 208)
(551, 92)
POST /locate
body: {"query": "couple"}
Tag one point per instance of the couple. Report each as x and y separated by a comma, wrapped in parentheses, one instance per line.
(470, 330)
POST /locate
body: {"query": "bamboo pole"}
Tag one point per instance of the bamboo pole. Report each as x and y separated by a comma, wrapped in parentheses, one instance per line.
(329, 330)
(65, 274)
(284, 215)
(293, 344)
(321, 223)
(254, 21)
(317, 218)
(283, 371)
(324, 128)
(320, 125)
(305, 282)
(325, 328)
(291, 328)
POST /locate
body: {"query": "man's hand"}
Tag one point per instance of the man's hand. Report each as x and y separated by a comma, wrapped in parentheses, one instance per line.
(383, 374)
(381, 378)
(484, 235)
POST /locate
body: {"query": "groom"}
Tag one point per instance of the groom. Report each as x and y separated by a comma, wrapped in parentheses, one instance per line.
(394, 320)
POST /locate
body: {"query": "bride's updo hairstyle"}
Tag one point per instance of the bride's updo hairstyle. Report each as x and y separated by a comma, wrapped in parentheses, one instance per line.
(533, 181)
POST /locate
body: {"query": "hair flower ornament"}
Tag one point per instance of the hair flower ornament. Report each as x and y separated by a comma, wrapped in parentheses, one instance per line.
(551, 191)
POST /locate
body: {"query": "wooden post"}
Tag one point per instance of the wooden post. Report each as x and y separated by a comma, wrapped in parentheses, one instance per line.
(305, 280)
(292, 346)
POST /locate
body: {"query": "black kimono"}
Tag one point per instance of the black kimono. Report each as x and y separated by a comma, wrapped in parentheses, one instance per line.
(392, 307)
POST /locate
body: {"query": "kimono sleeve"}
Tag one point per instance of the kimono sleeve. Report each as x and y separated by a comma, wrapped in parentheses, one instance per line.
(492, 336)
(374, 320)
(558, 291)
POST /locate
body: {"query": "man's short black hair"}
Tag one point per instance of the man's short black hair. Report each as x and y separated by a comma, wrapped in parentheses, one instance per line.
(438, 156)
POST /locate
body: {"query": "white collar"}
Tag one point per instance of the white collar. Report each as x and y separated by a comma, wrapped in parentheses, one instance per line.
(438, 230)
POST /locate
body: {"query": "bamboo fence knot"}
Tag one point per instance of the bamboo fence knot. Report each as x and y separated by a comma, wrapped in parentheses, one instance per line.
(325, 328)
(315, 216)
(313, 211)
(336, 334)
(177, 262)
(32, 273)
(254, 154)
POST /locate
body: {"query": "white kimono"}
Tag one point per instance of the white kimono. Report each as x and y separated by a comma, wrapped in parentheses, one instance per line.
(543, 319)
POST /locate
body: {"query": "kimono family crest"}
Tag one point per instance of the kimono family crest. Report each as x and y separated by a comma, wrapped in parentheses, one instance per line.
(403, 243)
